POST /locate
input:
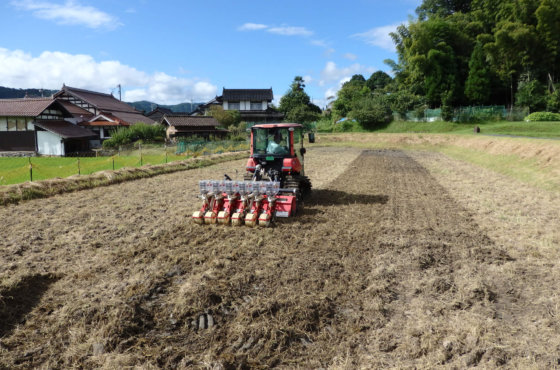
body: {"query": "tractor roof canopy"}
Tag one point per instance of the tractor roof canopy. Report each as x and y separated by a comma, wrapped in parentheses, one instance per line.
(277, 125)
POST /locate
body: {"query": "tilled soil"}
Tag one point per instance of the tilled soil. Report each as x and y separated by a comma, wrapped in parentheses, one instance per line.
(384, 268)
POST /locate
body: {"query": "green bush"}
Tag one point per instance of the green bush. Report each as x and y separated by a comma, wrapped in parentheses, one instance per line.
(346, 126)
(372, 112)
(553, 101)
(325, 124)
(542, 116)
(531, 94)
(140, 131)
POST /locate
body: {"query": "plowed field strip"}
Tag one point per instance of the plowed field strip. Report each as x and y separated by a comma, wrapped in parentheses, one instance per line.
(383, 268)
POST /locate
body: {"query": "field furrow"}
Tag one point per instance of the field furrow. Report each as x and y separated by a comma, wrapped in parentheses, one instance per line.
(385, 268)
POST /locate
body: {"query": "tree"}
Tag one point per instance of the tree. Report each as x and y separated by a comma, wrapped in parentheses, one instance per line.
(303, 114)
(475, 51)
(403, 101)
(226, 118)
(378, 80)
(477, 86)
(358, 78)
(531, 93)
(511, 52)
(371, 111)
(349, 93)
(553, 101)
(548, 29)
(433, 57)
(442, 7)
(296, 104)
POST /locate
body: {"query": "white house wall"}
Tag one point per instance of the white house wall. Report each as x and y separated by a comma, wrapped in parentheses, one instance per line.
(49, 144)
(246, 105)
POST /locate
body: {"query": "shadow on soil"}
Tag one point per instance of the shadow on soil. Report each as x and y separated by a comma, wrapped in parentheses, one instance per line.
(327, 197)
(18, 301)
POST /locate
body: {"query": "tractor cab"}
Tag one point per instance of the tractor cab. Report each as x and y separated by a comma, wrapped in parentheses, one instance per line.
(274, 185)
(276, 150)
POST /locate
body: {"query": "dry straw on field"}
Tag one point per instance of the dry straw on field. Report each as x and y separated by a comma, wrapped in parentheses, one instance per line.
(401, 259)
(45, 188)
(534, 161)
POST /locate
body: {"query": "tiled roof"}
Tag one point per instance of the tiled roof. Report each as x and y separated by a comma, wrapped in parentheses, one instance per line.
(24, 107)
(65, 129)
(247, 94)
(74, 109)
(161, 110)
(200, 130)
(104, 117)
(183, 120)
(99, 100)
(133, 117)
(101, 123)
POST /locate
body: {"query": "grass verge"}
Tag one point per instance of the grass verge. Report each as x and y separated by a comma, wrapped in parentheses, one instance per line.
(528, 129)
(532, 161)
(10, 194)
(15, 170)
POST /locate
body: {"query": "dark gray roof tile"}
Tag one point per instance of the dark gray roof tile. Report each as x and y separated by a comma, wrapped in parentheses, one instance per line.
(183, 120)
(247, 94)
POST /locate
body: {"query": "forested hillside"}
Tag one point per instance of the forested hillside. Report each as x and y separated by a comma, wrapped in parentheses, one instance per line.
(10, 93)
(463, 52)
(147, 106)
(460, 53)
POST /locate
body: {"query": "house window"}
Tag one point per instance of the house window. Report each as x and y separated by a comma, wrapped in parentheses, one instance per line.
(3, 124)
(21, 124)
(12, 125)
(105, 133)
(256, 105)
(233, 105)
(30, 125)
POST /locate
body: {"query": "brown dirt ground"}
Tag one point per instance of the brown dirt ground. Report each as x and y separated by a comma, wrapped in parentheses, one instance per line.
(399, 260)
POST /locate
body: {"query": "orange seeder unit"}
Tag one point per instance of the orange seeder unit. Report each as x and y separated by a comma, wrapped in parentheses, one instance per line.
(244, 202)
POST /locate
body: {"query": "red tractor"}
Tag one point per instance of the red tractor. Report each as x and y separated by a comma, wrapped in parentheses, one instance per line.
(275, 184)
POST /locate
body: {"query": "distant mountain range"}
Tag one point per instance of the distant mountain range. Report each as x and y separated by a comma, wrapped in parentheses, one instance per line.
(9, 93)
(142, 106)
(147, 106)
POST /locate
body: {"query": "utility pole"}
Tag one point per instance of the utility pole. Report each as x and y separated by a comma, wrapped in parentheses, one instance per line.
(119, 86)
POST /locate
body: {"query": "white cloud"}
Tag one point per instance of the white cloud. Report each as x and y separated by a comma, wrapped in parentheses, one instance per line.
(325, 45)
(321, 43)
(69, 13)
(51, 69)
(330, 93)
(252, 27)
(332, 73)
(328, 52)
(379, 36)
(350, 56)
(290, 31)
(333, 77)
(282, 30)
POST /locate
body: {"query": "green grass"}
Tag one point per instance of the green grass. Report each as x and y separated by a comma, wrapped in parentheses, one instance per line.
(526, 170)
(531, 171)
(530, 129)
(16, 170)
(25, 191)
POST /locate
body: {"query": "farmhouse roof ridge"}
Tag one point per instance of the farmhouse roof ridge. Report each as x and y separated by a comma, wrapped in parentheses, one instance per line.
(247, 94)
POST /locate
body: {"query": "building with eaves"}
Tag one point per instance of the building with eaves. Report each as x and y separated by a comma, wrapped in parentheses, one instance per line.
(40, 125)
(102, 113)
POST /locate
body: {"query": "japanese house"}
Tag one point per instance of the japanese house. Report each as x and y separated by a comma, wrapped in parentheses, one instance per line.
(253, 104)
(40, 125)
(183, 125)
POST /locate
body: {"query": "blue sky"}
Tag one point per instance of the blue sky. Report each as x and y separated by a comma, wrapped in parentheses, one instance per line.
(176, 51)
